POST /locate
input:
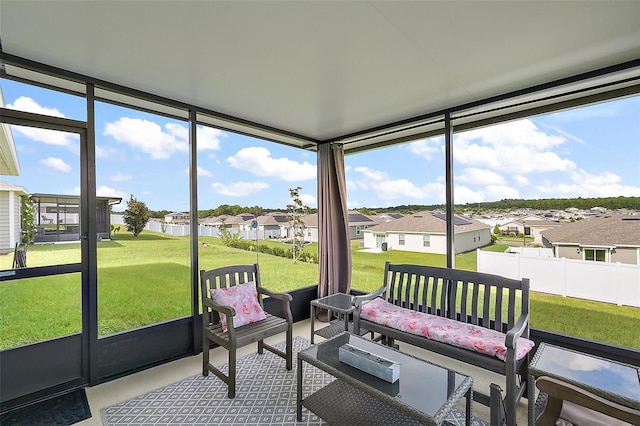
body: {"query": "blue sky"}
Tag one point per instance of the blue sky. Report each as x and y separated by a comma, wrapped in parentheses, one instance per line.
(587, 152)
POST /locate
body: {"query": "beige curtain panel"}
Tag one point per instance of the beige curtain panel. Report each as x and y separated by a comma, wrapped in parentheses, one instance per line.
(334, 251)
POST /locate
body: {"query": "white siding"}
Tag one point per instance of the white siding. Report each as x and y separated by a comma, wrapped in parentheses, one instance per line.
(10, 227)
(438, 242)
(5, 232)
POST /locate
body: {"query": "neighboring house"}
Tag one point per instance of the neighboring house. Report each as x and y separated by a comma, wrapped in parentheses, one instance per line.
(273, 225)
(426, 232)
(614, 238)
(241, 222)
(57, 217)
(177, 217)
(311, 227)
(358, 223)
(531, 226)
(10, 215)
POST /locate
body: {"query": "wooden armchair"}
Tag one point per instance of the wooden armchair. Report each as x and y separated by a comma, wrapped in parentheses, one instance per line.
(601, 411)
(237, 283)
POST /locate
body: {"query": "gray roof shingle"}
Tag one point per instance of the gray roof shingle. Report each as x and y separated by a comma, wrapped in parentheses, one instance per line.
(598, 231)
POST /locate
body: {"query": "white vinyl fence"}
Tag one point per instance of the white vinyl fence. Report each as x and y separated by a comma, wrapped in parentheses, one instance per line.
(617, 283)
(203, 230)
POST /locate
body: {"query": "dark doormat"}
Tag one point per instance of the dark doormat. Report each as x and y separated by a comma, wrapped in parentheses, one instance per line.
(62, 410)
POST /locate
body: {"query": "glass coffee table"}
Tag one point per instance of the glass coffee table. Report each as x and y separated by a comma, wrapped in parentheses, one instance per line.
(608, 379)
(425, 393)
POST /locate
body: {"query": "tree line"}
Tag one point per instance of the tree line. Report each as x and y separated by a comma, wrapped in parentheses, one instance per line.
(610, 203)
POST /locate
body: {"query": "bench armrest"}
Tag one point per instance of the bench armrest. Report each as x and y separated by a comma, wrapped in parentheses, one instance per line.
(359, 300)
(516, 331)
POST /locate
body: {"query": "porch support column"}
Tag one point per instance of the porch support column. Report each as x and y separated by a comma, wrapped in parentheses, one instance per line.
(448, 148)
(193, 231)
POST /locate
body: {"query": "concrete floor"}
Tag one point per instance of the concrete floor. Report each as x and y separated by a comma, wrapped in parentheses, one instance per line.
(124, 388)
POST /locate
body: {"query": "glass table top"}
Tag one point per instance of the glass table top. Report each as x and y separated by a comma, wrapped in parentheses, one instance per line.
(594, 372)
(341, 301)
(422, 385)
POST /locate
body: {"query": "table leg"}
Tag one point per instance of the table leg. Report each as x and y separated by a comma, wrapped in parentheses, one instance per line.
(469, 407)
(346, 322)
(313, 317)
(299, 393)
(531, 398)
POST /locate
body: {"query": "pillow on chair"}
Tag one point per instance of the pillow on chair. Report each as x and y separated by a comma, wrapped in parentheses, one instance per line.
(244, 299)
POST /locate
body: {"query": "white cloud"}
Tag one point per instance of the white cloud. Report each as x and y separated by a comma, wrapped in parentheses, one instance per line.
(106, 191)
(201, 172)
(50, 137)
(258, 160)
(427, 148)
(209, 138)
(585, 184)
(107, 152)
(352, 204)
(239, 189)
(480, 177)
(27, 104)
(464, 195)
(56, 164)
(520, 180)
(515, 147)
(120, 177)
(391, 189)
(308, 199)
(148, 137)
(499, 192)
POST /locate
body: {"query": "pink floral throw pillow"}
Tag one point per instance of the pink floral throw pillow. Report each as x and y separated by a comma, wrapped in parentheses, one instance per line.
(244, 299)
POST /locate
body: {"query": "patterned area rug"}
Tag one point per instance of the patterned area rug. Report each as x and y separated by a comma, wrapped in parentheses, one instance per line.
(265, 395)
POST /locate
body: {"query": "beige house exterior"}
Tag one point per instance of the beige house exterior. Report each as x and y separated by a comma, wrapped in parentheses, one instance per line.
(611, 238)
(426, 232)
(531, 226)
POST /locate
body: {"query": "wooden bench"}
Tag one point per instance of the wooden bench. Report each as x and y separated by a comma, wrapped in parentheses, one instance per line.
(419, 299)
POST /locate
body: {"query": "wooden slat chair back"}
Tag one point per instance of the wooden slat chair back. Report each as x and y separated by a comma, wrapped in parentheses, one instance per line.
(236, 337)
(20, 256)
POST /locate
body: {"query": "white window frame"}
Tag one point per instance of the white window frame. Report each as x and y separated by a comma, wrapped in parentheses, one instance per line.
(426, 240)
(401, 239)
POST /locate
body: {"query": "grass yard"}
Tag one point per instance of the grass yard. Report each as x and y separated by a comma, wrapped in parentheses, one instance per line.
(146, 280)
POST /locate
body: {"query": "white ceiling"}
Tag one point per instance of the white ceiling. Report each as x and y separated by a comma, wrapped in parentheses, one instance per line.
(322, 69)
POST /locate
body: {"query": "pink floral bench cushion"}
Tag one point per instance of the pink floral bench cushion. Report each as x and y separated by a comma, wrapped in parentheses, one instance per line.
(445, 330)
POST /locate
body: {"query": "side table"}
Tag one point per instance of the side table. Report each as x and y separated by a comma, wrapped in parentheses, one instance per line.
(342, 304)
(608, 379)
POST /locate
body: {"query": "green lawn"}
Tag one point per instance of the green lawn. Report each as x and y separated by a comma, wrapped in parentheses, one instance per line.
(146, 280)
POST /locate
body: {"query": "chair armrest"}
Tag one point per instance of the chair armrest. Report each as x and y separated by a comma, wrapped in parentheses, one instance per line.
(516, 331)
(559, 391)
(359, 300)
(229, 312)
(285, 298)
(280, 296)
(225, 309)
